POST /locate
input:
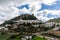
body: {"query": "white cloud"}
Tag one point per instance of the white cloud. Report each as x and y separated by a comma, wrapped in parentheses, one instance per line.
(24, 10)
(8, 13)
(35, 6)
(8, 8)
(49, 2)
(53, 12)
(42, 15)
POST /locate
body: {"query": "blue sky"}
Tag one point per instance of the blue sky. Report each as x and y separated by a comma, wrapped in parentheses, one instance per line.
(51, 7)
(44, 6)
(23, 6)
(50, 15)
(42, 9)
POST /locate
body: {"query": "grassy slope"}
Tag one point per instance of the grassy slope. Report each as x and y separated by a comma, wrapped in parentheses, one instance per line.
(39, 38)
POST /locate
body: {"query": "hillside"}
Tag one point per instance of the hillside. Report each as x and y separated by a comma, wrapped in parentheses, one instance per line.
(23, 17)
(54, 20)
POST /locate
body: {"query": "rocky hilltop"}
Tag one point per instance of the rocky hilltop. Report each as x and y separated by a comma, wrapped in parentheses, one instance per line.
(23, 17)
(24, 23)
(29, 25)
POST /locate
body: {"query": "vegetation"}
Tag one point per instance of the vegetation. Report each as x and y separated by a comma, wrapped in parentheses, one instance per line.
(39, 38)
(9, 37)
(18, 37)
(47, 28)
(4, 36)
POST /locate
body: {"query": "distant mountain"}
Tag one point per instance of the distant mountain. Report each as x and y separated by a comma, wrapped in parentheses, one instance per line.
(54, 20)
(23, 17)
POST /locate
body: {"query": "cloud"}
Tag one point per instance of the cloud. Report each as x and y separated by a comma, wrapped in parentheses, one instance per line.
(9, 10)
(43, 15)
(49, 2)
(8, 13)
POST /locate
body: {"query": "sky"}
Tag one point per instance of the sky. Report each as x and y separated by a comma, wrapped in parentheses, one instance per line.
(43, 9)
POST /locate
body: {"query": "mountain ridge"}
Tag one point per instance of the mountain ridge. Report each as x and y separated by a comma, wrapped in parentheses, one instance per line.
(54, 20)
(23, 17)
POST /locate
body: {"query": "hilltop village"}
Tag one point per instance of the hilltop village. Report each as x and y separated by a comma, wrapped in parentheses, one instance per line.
(28, 25)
